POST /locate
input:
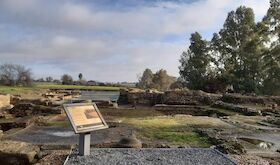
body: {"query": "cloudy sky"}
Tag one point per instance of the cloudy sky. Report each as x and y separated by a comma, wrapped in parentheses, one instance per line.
(107, 40)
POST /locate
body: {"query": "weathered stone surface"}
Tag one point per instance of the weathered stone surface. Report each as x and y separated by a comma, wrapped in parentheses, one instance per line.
(4, 101)
(6, 125)
(244, 99)
(174, 97)
(146, 97)
(15, 99)
(223, 144)
(1, 133)
(236, 108)
(181, 109)
(251, 160)
(17, 153)
(231, 147)
(130, 142)
(189, 97)
(26, 109)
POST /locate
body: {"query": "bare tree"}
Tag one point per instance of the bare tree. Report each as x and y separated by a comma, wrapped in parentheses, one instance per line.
(13, 74)
(23, 76)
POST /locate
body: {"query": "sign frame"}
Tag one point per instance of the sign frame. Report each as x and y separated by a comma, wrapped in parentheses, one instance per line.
(86, 129)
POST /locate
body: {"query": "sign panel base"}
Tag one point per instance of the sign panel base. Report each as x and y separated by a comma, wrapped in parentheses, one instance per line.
(84, 144)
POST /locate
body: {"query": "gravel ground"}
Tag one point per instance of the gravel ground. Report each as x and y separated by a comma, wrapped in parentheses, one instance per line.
(249, 160)
(122, 156)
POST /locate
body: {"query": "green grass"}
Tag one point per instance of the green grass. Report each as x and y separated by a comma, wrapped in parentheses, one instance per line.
(168, 130)
(191, 138)
(56, 86)
(58, 124)
(38, 87)
(129, 113)
(17, 90)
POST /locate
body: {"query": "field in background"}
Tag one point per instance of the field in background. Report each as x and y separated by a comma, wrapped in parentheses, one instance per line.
(55, 86)
(44, 86)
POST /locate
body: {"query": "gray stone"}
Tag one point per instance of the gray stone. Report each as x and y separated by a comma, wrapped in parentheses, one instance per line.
(151, 156)
(17, 153)
(131, 142)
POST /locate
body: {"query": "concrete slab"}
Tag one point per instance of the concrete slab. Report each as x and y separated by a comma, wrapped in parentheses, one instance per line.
(151, 156)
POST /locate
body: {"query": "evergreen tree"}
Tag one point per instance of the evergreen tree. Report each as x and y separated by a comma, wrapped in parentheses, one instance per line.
(272, 57)
(195, 63)
(80, 76)
(240, 49)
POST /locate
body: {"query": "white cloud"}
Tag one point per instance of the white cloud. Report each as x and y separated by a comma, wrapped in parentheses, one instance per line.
(260, 7)
(110, 45)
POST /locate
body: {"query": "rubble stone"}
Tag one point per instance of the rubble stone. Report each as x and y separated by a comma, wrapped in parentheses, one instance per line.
(245, 99)
(131, 142)
(236, 108)
(26, 109)
(189, 97)
(17, 153)
(4, 101)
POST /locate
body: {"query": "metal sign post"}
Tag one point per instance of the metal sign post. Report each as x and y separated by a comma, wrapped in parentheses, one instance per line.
(84, 118)
(84, 144)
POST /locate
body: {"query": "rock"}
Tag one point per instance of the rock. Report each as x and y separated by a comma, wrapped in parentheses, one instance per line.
(17, 153)
(245, 159)
(245, 99)
(143, 97)
(274, 106)
(131, 142)
(115, 105)
(38, 120)
(164, 146)
(1, 133)
(15, 99)
(265, 145)
(4, 101)
(180, 109)
(189, 97)
(236, 108)
(231, 147)
(26, 109)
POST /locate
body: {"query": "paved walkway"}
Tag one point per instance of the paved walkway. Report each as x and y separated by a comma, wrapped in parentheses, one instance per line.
(155, 156)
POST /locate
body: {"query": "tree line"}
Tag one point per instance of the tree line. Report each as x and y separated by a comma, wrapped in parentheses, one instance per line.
(243, 55)
(15, 75)
(19, 75)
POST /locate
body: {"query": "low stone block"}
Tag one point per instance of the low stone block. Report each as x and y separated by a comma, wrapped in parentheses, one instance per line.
(4, 101)
(17, 153)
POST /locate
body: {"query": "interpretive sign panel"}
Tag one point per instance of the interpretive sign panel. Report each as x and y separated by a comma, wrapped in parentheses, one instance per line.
(84, 117)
